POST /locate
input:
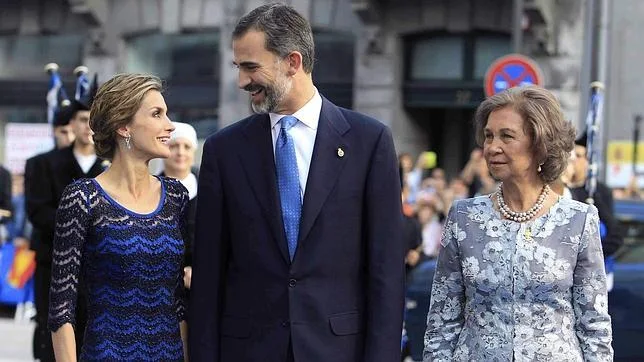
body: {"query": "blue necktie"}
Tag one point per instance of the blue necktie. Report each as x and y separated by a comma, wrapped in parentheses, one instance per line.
(288, 183)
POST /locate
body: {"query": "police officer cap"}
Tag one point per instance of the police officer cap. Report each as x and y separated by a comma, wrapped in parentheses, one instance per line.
(63, 115)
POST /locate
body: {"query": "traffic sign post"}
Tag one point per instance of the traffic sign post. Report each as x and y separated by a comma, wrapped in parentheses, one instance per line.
(511, 71)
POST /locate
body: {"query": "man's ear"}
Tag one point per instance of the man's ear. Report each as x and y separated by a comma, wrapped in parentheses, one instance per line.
(294, 60)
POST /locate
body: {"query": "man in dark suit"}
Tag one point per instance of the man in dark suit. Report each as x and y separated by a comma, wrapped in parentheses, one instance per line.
(603, 199)
(298, 252)
(46, 176)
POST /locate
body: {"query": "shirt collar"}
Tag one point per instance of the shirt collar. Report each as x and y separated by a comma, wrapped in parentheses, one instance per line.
(309, 114)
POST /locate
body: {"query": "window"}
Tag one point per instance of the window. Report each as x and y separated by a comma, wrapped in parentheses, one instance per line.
(333, 57)
(181, 56)
(24, 56)
(453, 57)
(486, 50)
(438, 57)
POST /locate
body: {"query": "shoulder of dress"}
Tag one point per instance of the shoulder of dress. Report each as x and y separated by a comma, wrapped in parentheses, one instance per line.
(174, 187)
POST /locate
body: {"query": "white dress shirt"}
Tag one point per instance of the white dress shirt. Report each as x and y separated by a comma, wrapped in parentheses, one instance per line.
(303, 134)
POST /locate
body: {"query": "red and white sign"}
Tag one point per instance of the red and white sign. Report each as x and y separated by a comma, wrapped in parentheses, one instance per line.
(511, 71)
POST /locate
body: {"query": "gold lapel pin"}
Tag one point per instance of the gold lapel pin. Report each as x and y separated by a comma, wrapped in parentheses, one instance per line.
(340, 152)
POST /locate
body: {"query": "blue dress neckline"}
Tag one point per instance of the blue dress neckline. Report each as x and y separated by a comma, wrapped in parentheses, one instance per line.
(125, 209)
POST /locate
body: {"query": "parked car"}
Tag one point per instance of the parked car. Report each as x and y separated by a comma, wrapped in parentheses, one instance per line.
(625, 301)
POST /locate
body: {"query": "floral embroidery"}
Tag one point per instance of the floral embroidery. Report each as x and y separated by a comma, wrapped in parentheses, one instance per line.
(497, 298)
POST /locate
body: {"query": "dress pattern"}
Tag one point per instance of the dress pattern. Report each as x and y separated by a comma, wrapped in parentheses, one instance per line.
(508, 291)
(129, 264)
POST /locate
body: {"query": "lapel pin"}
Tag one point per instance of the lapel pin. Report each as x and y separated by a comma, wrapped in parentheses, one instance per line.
(340, 152)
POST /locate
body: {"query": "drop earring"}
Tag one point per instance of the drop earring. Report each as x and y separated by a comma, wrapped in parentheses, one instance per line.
(127, 142)
(539, 168)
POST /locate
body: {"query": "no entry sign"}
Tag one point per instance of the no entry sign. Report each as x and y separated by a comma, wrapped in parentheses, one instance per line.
(511, 71)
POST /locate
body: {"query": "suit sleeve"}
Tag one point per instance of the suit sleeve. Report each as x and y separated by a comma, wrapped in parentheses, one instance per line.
(40, 200)
(5, 180)
(209, 262)
(613, 239)
(385, 254)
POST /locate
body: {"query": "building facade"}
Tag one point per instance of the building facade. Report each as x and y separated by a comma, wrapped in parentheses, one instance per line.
(417, 66)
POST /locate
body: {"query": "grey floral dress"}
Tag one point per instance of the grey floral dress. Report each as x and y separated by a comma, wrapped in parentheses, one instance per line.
(508, 291)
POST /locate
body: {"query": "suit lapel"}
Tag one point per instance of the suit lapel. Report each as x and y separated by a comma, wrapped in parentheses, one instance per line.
(329, 157)
(259, 164)
(73, 168)
(97, 168)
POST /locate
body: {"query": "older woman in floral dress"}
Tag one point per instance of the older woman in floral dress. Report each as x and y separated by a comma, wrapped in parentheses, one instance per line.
(520, 276)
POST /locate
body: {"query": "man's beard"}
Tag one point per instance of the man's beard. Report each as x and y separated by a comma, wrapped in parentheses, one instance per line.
(274, 94)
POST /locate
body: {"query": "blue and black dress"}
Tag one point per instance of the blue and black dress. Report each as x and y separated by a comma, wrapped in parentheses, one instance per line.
(130, 266)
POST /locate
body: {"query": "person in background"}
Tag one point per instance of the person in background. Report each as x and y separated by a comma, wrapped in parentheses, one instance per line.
(6, 205)
(63, 133)
(612, 235)
(431, 227)
(476, 175)
(118, 237)
(412, 237)
(521, 273)
(183, 145)
(46, 177)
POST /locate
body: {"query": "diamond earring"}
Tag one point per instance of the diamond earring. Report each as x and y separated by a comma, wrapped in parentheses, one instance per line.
(127, 142)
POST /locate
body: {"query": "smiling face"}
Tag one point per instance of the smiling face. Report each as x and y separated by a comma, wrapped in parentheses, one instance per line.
(150, 127)
(261, 73)
(507, 148)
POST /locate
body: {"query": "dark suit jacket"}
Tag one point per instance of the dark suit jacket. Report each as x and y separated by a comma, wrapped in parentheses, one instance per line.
(5, 192)
(188, 231)
(341, 298)
(46, 176)
(603, 200)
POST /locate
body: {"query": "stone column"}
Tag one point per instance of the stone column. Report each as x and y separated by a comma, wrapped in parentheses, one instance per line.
(378, 86)
(233, 102)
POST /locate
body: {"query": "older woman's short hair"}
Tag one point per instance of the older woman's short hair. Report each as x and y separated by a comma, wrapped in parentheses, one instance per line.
(115, 105)
(552, 136)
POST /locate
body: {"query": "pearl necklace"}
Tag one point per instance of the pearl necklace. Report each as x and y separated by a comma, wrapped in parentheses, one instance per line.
(521, 216)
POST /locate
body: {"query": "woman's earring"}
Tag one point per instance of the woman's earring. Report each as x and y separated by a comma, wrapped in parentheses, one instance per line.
(539, 168)
(127, 142)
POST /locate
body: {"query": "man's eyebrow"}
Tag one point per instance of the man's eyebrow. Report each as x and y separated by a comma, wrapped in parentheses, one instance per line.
(245, 64)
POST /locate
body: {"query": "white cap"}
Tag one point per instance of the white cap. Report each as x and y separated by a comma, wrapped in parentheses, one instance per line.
(184, 130)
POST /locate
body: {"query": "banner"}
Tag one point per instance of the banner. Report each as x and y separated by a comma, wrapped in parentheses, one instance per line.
(24, 140)
(619, 163)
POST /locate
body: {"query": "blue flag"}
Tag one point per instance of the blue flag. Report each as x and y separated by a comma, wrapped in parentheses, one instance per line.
(82, 87)
(55, 84)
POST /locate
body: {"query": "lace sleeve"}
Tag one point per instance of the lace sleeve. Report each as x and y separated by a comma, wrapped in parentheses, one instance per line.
(180, 291)
(72, 219)
(590, 299)
(446, 310)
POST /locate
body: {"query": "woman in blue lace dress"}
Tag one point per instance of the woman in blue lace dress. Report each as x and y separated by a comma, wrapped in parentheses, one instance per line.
(520, 276)
(118, 236)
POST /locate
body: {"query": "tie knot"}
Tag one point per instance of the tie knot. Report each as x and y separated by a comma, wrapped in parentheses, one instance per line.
(288, 122)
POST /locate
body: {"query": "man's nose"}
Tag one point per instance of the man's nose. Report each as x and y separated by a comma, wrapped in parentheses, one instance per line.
(243, 79)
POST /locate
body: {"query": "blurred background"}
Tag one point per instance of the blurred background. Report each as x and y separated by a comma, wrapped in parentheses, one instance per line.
(418, 66)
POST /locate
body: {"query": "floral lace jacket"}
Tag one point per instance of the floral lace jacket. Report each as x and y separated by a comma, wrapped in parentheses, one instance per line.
(507, 291)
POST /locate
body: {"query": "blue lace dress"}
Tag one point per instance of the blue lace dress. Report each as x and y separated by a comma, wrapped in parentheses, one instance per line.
(130, 267)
